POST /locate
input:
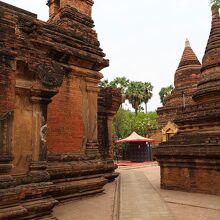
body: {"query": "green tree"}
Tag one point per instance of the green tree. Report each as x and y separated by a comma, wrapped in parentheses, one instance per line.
(147, 90)
(138, 93)
(104, 83)
(164, 92)
(215, 3)
(134, 94)
(125, 122)
(120, 82)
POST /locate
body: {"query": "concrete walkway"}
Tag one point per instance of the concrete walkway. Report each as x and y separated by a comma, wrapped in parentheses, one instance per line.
(185, 205)
(136, 195)
(98, 207)
(139, 200)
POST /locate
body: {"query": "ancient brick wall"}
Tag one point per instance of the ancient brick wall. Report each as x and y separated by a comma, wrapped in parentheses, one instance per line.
(84, 6)
(190, 179)
(7, 62)
(109, 101)
(65, 118)
(37, 60)
(7, 84)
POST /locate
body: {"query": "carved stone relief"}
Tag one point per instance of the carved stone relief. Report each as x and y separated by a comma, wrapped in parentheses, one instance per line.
(50, 74)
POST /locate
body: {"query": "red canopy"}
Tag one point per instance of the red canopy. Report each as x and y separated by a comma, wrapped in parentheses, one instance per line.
(134, 137)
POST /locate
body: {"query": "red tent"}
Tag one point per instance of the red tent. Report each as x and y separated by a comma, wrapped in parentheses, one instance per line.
(134, 137)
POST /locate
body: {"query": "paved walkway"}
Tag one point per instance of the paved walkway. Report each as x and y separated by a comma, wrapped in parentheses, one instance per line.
(136, 195)
(185, 205)
(139, 200)
(99, 207)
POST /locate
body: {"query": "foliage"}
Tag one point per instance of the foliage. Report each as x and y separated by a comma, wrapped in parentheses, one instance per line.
(147, 93)
(104, 83)
(135, 92)
(215, 3)
(164, 92)
(120, 82)
(125, 122)
(138, 93)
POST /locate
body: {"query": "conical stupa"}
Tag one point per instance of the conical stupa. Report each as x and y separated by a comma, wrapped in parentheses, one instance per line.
(209, 85)
(186, 78)
(190, 160)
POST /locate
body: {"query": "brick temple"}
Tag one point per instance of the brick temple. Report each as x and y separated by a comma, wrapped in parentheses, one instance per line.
(55, 121)
(185, 83)
(190, 160)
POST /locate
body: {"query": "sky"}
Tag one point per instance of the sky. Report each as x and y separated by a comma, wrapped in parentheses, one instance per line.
(144, 39)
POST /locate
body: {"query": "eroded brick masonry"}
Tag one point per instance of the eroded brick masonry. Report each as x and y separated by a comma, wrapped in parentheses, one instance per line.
(190, 160)
(55, 121)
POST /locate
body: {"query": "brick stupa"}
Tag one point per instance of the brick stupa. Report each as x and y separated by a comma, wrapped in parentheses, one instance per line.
(190, 160)
(185, 82)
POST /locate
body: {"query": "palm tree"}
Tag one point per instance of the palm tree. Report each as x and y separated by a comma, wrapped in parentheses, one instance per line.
(104, 83)
(164, 92)
(135, 91)
(147, 93)
(134, 94)
(120, 82)
(215, 3)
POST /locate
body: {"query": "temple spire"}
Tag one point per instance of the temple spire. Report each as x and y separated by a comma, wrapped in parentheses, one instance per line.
(187, 43)
(186, 78)
(188, 56)
(208, 88)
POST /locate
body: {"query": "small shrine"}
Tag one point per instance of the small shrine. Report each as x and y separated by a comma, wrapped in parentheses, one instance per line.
(139, 148)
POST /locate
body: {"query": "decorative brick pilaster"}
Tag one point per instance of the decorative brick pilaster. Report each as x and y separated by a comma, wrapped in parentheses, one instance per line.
(92, 145)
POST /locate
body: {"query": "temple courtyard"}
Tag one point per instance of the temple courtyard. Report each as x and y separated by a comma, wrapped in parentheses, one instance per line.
(57, 142)
(136, 195)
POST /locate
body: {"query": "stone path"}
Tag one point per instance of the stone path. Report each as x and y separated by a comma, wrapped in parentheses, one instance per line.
(185, 205)
(136, 195)
(98, 207)
(139, 200)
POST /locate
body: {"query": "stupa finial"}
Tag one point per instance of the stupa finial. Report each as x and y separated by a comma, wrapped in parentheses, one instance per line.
(187, 43)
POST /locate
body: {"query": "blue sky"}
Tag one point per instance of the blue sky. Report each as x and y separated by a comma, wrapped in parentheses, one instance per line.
(144, 39)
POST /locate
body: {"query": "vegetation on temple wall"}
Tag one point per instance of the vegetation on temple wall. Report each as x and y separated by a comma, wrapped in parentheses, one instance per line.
(164, 92)
(125, 122)
(136, 92)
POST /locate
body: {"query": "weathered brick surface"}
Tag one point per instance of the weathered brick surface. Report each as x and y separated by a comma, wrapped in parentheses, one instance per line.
(84, 6)
(109, 100)
(186, 77)
(191, 179)
(190, 160)
(37, 60)
(7, 84)
(7, 62)
(65, 123)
